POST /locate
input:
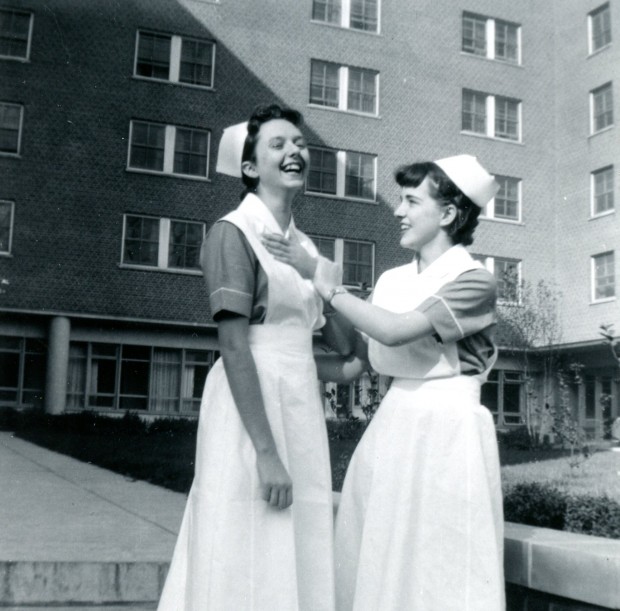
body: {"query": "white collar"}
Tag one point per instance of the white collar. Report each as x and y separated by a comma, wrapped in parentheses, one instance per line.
(445, 263)
(254, 207)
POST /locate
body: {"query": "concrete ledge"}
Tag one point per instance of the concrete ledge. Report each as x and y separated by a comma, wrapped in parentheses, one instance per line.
(579, 567)
(80, 582)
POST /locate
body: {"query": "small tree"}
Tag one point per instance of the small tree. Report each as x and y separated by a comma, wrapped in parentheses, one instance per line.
(530, 325)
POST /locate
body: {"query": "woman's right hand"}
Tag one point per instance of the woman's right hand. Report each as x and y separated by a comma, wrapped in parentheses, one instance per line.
(275, 482)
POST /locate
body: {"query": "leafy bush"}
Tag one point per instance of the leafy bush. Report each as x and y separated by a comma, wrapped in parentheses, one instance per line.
(543, 505)
(593, 515)
(518, 438)
(351, 428)
(536, 505)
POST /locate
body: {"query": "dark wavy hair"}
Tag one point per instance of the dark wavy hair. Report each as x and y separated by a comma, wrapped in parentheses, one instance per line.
(461, 230)
(263, 114)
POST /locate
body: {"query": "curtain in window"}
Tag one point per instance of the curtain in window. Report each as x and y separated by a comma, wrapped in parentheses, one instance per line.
(165, 380)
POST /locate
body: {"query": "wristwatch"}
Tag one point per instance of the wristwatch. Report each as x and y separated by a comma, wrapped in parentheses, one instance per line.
(337, 290)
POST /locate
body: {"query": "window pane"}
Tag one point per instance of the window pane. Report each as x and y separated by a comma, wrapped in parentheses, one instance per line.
(357, 263)
(197, 365)
(322, 173)
(326, 10)
(324, 84)
(9, 370)
(474, 114)
(601, 27)
(141, 240)
(326, 247)
(603, 190)
(474, 35)
(153, 56)
(76, 375)
(362, 94)
(507, 198)
(190, 152)
(196, 63)
(10, 119)
(506, 273)
(360, 176)
(364, 15)
(134, 384)
(506, 41)
(506, 118)
(6, 222)
(603, 108)
(147, 146)
(103, 376)
(604, 276)
(14, 33)
(185, 242)
(166, 380)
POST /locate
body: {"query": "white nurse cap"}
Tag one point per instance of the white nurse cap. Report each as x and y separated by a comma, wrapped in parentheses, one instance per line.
(230, 150)
(470, 177)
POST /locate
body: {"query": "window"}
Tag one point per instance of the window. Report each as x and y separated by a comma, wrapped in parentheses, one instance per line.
(167, 149)
(162, 243)
(355, 14)
(599, 28)
(491, 38)
(489, 115)
(15, 34)
(342, 174)
(344, 87)
(603, 191)
(6, 226)
(506, 205)
(22, 371)
(10, 128)
(144, 378)
(507, 273)
(502, 394)
(174, 58)
(603, 276)
(356, 257)
(601, 100)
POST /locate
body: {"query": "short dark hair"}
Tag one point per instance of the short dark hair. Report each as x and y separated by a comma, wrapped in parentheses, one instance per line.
(263, 114)
(461, 230)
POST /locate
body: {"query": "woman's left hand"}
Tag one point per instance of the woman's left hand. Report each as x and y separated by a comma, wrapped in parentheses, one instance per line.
(290, 252)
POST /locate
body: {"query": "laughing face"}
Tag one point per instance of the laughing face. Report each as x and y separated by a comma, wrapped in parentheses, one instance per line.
(281, 157)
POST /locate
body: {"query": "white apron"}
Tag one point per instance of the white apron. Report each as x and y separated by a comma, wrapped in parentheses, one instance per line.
(420, 524)
(234, 551)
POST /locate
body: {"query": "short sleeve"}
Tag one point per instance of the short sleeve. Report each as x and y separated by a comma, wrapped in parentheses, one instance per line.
(462, 307)
(229, 265)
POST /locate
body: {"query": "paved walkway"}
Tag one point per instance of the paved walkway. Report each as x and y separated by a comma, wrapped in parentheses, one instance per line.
(72, 533)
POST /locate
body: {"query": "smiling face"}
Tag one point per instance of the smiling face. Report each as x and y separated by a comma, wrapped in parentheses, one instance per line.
(281, 157)
(421, 217)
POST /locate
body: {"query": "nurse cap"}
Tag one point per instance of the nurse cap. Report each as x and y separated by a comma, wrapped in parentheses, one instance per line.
(470, 177)
(230, 150)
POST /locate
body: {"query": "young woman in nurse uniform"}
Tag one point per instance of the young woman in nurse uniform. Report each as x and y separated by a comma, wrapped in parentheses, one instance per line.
(257, 534)
(420, 525)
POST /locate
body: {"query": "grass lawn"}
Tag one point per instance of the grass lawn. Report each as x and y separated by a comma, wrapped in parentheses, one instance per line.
(596, 476)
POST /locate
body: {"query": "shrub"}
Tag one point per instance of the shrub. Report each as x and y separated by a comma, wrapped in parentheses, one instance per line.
(346, 428)
(518, 438)
(535, 504)
(593, 515)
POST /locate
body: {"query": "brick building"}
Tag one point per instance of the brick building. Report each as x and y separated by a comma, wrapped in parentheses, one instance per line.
(110, 116)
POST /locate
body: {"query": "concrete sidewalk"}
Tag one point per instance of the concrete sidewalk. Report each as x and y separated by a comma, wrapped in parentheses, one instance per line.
(74, 534)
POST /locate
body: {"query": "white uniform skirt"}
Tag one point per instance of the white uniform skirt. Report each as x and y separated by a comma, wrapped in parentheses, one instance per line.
(234, 551)
(420, 523)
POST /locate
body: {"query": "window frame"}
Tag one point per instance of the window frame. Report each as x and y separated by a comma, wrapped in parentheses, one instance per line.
(344, 88)
(344, 19)
(339, 247)
(489, 263)
(163, 245)
(20, 130)
(7, 252)
(170, 132)
(594, 278)
(489, 211)
(341, 175)
(20, 58)
(490, 116)
(603, 9)
(503, 380)
(175, 59)
(490, 25)
(602, 90)
(605, 171)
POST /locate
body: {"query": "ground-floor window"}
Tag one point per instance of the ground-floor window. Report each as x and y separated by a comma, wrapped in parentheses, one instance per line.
(131, 377)
(502, 394)
(22, 371)
(347, 400)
